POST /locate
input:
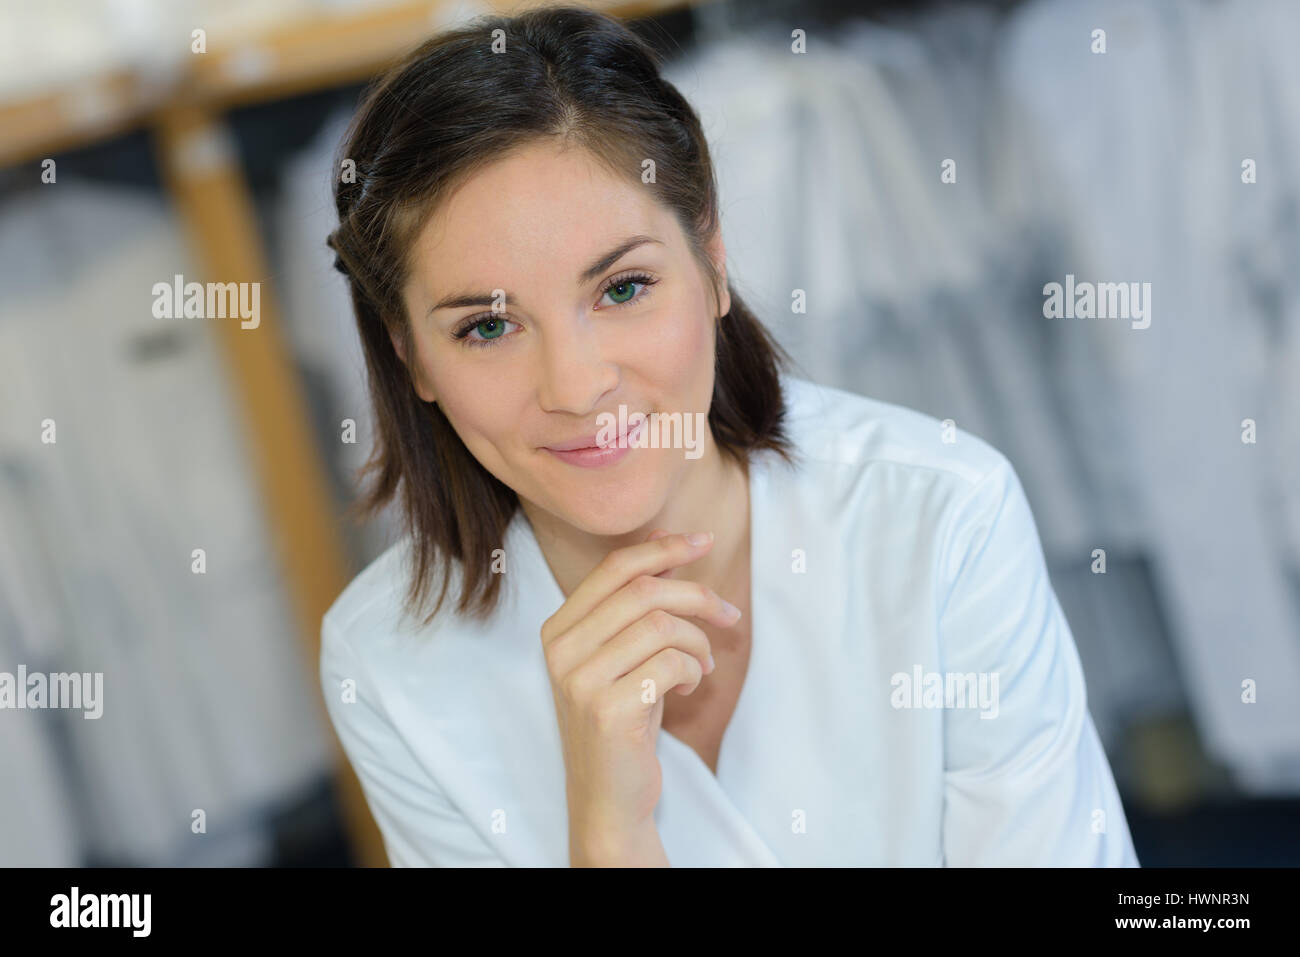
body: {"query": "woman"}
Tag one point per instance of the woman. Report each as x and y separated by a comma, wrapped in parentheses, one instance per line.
(690, 610)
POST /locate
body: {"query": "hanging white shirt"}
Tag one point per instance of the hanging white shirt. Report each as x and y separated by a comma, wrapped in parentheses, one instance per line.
(885, 555)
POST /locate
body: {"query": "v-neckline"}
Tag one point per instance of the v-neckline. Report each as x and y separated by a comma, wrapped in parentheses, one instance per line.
(757, 481)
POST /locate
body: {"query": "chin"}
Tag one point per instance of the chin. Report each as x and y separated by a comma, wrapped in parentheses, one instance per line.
(612, 517)
(611, 512)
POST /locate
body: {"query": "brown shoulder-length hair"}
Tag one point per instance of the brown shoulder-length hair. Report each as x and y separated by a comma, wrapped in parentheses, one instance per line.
(454, 105)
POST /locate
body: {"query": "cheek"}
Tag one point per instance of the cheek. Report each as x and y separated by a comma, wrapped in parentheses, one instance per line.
(487, 432)
(681, 351)
(474, 422)
(474, 404)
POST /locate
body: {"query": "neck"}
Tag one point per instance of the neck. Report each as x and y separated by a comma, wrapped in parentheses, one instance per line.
(713, 496)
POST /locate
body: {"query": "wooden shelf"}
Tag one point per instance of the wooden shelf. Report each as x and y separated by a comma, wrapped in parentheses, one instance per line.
(287, 60)
(74, 116)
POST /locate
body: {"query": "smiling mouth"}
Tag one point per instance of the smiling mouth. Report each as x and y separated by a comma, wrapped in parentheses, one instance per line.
(593, 441)
(594, 456)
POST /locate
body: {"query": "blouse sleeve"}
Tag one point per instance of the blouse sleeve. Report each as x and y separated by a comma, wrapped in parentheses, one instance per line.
(419, 825)
(1026, 782)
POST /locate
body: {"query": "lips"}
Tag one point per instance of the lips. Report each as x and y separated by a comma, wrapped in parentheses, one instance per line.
(587, 442)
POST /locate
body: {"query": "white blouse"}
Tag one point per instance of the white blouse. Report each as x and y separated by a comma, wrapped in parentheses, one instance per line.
(914, 696)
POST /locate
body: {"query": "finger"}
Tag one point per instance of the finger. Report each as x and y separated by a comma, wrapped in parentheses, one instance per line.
(669, 669)
(618, 568)
(657, 534)
(647, 636)
(634, 601)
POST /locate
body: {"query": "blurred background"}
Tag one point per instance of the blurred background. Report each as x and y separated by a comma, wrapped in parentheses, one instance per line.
(921, 171)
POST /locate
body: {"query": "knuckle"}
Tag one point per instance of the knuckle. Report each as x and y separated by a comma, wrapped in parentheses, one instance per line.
(574, 686)
(553, 652)
(612, 563)
(646, 586)
(551, 629)
(660, 622)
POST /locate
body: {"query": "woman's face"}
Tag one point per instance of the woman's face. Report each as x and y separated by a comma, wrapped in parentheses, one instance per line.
(575, 333)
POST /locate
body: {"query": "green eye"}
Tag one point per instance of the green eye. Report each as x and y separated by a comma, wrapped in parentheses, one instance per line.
(628, 288)
(483, 332)
(490, 328)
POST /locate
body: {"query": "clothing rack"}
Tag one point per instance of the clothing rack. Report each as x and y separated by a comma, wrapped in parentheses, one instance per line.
(209, 189)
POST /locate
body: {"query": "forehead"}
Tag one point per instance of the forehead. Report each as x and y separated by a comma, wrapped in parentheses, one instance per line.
(543, 207)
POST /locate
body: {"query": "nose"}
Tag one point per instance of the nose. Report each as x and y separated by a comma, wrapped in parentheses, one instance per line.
(575, 375)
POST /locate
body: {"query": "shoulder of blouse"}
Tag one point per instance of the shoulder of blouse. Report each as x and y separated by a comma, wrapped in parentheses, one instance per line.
(835, 426)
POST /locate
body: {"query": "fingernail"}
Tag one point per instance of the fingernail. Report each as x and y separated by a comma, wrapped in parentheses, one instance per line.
(700, 538)
(731, 609)
(711, 665)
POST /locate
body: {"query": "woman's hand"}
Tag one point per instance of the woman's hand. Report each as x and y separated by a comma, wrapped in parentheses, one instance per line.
(617, 645)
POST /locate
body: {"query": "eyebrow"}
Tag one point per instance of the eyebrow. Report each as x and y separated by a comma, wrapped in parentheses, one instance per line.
(591, 272)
